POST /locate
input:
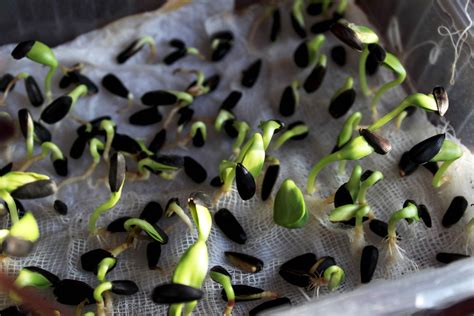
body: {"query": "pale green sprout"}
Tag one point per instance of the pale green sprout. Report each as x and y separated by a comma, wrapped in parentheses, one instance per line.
(289, 207)
(408, 212)
(222, 116)
(356, 149)
(104, 207)
(220, 275)
(77, 92)
(269, 129)
(146, 163)
(375, 177)
(297, 130)
(21, 75)
(198, 88)
(192, 267)
(242, 128)
(353, 184)
(314, 45)
(297, 11)
(109, 127)
(28, 278)
(345, 135)
(150, 41)
(199, 125)
(104, 266)
(341, 6)
(174, 208)
(334, 276)
(346, 86)
(103, 287)
(449, 153)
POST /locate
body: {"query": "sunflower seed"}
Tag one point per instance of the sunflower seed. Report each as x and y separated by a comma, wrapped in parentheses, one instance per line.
(377, 51)
(175, 293)
(159, 98)
(73, 292)
(221, 50)
(117, 171)
(25, 121)
(231, 101)
(380, 144)
(342, 103)
(288, 101)
(153, 254)
(33, 91)
(128, 52)
(212, 82)
(269, 180)
(368, 263)
(245, 293)
(57, 110)
(455, 211)
(124, 287)
(425, 151)
(122, 142)
(194, 170)
(16, 247)
(244, 262)
(442, 101)
(60, 207)
(41, 133)
(342, 196)
(185, 115)
(116, 226)
(216, 182)
(322, 26)
(78, 147)
(14, 311)
(175, 56)
(230, 226)
(250, 75)
(447, 257)
(152, 212)
(431, 166)
(299, 29)
(301, 55)
(379, 228)
(338, 55)
(198, 138)
(92, 128)
(115, 86)
(230, 129)
(245, 182)
(61, 167)
(276, 25)
(406, 167)
(4, 81)
(22, 49)
(296, 271)
(177, 43)
(148, 116)
(346, 35)
(220, 270)
(91, 259)
(35, 190)
(270, 305)
(6, 169)
(158, 141)
(51, 277)
(424, 215)
(371, 65)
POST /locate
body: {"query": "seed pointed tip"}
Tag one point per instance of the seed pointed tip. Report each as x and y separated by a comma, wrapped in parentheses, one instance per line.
(442, 102)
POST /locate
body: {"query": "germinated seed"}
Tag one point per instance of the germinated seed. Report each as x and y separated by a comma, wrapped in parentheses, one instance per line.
(33, 91)
(22, 49)
(41, 133)
(60, 207)
(424, 214)
(35, 190)
(117, 171)
(380, 144)
(159, 98)
(57, 110)
(128, 52)
(230, 129)
(322, 264)
(245, 181)
(269, 180)
(231, 101)
(177, 43)
(116, 226)
(115, 86)
(198, 138)
(338, 55)
(288, 102)
(269, 305)
(250, 75)
(175, 293)
(301, 55)
(212, 82)
(296, 271)
(51, 277)
(148, 116)
(442, 101)
(221, 50)
(194, 170)
(175, 56)
(152, 212)
(406, 167)
(230, 226)
(245, 293)
(300, 136)
(315, 79)
(455, 211)
(73, 292)
(425, 151)
(158, 141)
(122, 142)
(368, 263)
(342, 196)
(4, 81)
(447, 257)
(124, 287)
(276, 25)
(91, 259)
(342, 103)
(346, 35)
(299, 29)
(244, 262)
(153, 254)
(216, 182)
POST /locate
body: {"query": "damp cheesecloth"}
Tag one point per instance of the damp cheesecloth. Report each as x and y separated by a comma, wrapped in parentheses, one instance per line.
(64, 238)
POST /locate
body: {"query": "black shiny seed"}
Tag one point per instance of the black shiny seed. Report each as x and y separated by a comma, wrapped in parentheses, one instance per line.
(431, 166)
(33, 91)
(175, 56)
(148, 116)
(322, 26)
(7, 128)
(296, 271)
(78, 147)
(220, 270)
(371, 65)
(314, 8)
(244, 262)
(51, 277)
(117, 171)
(41, 133)
(346, 35)
(122, 142)
(230, 226)
(158, 141)
(366, 175)
(124, 287)
(442, 101)
(269, 305)
(368, 263)
(194, 170)
(212, 82)
(177, 43)
(342, 196)
(65, 81)
(455, 211)
(185, 115)
(91, 259)
(16, 247)
(427, 149)
(216, 182)
(198, 139)
(230, 129)
(152, 212)
(231, 101)
(73, 292)
(342, 103)
(338, 55)
(301, 55)
(57, 110)
(447, 257)
(175, 293)
(244, 293)
(424, 215)
(380, 144)
(297, 137)
(95, 123)
(170, 160)
(115, 86)
(128, 52)
(6, 169)
(79, 78)
(61, 167)
(153, 254)
(223, 35)
(159, 97)
(4, 81)
(287, 102)
(60, 207)
(35, 190)
(276, 25)
(315, 79)
(250, 75)
(221, 50)
(24, 119)
(116, 226)
(299, 29)
(406, 167)
(22, 49)
(245, 182)
(377, 51)
(269, 180)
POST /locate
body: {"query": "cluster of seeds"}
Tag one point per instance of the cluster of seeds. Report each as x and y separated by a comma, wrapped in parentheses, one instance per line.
(250, 159)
